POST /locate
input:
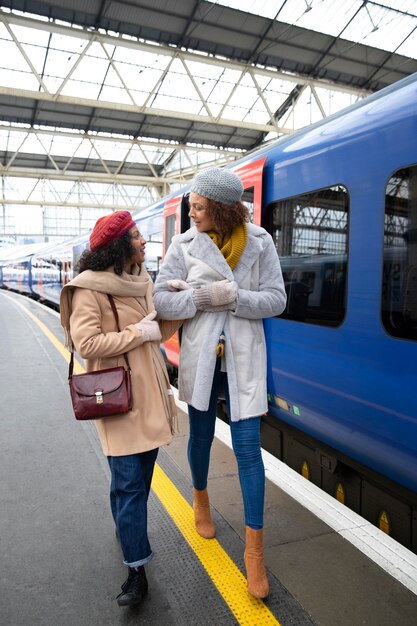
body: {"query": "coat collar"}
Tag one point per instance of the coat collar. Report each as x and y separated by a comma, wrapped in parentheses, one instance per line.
(138, 304)
(249, 256)
(203, 248)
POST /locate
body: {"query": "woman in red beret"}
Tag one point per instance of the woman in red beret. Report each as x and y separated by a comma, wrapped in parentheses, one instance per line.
(115, 265)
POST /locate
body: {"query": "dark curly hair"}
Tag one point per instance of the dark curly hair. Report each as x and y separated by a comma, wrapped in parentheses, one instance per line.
(116, 253)
(226, 217)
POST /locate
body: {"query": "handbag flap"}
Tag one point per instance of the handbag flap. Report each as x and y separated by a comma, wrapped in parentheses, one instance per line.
(104, 381)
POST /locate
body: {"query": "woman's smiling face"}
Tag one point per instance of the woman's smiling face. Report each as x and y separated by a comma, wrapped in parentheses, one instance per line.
(138, 243)
(199, 213)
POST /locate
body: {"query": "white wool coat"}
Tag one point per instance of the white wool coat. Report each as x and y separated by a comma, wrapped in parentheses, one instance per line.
(194, 258)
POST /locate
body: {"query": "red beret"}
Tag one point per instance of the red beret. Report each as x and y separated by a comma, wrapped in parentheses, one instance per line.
(110, 228)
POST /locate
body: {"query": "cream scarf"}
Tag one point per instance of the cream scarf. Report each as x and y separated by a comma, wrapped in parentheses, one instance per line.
(136, 285)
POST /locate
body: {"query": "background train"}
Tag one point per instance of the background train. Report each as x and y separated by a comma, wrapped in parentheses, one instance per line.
(340, 201)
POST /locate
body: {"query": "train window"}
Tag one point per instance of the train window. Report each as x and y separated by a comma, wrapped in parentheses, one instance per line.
(169, 229)
(248, 200)
(311, 235)
(77, 251)
(399, 272)
(184, 211)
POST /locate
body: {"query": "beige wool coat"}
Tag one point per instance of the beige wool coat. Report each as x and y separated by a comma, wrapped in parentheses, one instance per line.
(95, 337)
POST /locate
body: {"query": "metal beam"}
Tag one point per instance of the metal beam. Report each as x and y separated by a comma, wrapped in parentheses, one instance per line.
(131, 108)
(163, 49)
(95, 177)
(77, 205)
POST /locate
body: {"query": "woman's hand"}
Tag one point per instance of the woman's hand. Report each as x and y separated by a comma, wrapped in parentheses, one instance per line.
(177, 285)
(216, 294)
(149, 328)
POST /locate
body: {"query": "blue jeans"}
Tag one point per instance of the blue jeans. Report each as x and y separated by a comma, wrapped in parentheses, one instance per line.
(246, 441)
(131, 478)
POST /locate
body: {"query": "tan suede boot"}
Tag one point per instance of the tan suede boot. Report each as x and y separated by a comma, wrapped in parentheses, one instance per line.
(258, 585)
(202, 516)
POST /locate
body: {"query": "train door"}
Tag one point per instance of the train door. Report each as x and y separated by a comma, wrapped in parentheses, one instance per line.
(251, 177)
(175, 215)
(175, 218)
(171, 222)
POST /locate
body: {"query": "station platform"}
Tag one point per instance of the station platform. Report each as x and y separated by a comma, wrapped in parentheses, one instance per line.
(61, 563)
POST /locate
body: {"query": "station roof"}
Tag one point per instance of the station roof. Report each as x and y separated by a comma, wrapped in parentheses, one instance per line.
(186, 73)
(288, 35)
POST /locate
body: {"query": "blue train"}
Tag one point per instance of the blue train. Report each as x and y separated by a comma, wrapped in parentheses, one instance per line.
(340, 200)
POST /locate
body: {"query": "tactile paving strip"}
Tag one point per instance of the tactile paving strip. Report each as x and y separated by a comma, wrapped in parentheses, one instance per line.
(201, 602)
(189, 593)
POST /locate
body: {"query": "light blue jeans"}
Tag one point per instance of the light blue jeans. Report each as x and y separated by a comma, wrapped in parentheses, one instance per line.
(246, 441)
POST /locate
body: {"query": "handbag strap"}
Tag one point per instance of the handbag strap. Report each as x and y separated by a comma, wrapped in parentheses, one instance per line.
(116, 315)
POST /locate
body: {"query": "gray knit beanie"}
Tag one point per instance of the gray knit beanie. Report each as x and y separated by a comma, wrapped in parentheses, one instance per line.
(218, 184)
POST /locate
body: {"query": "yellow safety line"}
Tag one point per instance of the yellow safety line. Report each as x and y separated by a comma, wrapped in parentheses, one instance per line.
(78, 369)
(226, 577)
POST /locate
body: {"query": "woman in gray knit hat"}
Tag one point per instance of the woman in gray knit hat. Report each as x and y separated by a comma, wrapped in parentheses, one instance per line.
(222, 277)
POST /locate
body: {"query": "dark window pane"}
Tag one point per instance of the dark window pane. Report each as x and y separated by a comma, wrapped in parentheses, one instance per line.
(169, 230)
(248, 200)
(311, 236)
(399, 272)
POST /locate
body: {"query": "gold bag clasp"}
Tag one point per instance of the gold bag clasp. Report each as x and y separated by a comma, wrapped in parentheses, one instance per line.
(99, 397)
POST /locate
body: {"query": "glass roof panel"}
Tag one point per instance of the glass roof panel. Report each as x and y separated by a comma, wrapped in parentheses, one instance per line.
(12, 58)
(33, 36)
(384, 24)
(72, 45)
(91, 69)
(141, 79)
(138, 58)
(173, 103)
(58, 64)
(87, 89)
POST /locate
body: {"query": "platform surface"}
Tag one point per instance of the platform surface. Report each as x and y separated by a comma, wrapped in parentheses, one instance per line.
(61, 564)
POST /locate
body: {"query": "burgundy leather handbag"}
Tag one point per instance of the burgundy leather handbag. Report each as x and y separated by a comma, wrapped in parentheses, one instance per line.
(103, 393)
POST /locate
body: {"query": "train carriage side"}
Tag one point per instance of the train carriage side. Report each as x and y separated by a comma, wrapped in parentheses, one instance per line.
(50, 269)
(16, 273)
(55, 265)
(150, 224)
(5, 253)
(340, 201)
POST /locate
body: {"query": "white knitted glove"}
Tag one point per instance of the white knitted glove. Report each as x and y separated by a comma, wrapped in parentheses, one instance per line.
(177, 285)
(149, 328)
(216, 294)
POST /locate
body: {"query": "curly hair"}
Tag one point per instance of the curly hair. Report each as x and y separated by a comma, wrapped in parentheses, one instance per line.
(117, 254)
(226, 217)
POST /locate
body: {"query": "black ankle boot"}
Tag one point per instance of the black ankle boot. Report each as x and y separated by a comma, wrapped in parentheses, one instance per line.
(135, 588)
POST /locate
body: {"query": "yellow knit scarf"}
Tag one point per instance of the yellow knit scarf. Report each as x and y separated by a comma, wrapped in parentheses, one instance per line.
(231, 246)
